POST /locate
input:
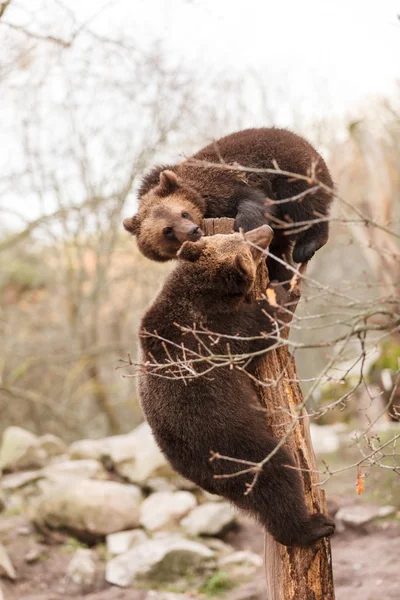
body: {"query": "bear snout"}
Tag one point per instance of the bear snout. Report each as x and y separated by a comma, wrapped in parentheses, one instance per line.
(195, 234)
(187, 232)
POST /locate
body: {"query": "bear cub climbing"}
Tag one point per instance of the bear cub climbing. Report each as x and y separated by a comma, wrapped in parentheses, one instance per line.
(195, 409)
(174, 199)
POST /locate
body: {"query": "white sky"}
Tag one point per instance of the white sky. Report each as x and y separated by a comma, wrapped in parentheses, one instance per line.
(339, 51)
(311, 57)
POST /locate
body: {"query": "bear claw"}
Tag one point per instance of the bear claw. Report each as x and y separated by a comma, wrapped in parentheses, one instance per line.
(319, 526)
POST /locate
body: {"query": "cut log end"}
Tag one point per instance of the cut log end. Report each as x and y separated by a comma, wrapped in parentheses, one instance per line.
(213, 226)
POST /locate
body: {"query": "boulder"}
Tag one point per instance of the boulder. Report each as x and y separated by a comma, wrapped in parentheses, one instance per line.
(359, 515)
(90, 509)
(211, 497)
(52, 445)
(13, 481)
(218, 546)
(164, 509)
(20, 449)
(181, 483)
(6, 566)
(118, 543)
(82, 568)
(153, 595)
(162, 561)
(210, 518)
(134, 455)
(240, 565)
(74, 470)
(161, 484)
(83, 449)
(35, 553)
(243, 557)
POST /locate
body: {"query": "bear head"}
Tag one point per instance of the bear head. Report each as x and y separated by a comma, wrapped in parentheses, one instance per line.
(222, 268)
(170, 214)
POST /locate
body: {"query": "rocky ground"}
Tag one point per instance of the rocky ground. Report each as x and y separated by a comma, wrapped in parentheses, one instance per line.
(108, 520)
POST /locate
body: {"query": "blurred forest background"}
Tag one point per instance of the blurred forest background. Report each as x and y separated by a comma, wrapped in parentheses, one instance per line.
(83, 115)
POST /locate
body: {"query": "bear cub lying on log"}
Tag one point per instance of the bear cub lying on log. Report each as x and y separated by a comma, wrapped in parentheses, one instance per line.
(219, 411)
(173, 200)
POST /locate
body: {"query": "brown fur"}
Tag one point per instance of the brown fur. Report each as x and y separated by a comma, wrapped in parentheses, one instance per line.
(209, 192)
(220, 410)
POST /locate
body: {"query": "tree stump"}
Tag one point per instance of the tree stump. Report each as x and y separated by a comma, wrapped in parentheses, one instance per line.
(291, 573)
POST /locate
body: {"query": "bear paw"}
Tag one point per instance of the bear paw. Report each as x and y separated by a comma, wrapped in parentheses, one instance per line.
(309, 242)
(306, 533)
(317, 527)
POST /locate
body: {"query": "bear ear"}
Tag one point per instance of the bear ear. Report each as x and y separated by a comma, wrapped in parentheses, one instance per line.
(168, 183)
(132, 225)
(191, 251)
(241, 266)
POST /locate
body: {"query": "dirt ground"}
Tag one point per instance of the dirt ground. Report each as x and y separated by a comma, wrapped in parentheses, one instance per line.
(366, 566)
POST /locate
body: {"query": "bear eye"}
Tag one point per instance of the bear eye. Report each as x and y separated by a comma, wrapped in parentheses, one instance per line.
(169, 233)
(185, 215)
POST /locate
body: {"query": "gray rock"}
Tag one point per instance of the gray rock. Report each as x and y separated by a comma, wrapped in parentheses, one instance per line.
(20, 449)
(161, 484)
(95, 508)
(209, 518)
(118, 543)
(218, 546)
(164, 509)
(144, 461)
(13, 481)
(181, 483)
(386, 511)
(161, 561)
(240, 565)
(74, 470)
(243, 557)
(6, 566)
(358, 515)
(134, 455)
(35, 553)
(211, 497)
(153, 595)
(91, 449)
(82, 568)
(52, 445)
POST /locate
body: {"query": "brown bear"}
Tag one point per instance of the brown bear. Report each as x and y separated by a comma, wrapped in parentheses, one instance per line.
(197, 409)
(174, 199)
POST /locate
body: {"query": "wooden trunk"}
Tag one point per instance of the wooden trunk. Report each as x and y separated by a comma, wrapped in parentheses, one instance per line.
(291, 573)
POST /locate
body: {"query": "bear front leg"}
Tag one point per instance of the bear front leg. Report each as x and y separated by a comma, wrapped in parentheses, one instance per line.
(279, 503)
(309, 241)
(293, 221)
(250, 208)
(276, 497)
(278, 269)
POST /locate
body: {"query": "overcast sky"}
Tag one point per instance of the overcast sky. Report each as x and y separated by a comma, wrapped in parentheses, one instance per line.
(342, 50)
(325, 57)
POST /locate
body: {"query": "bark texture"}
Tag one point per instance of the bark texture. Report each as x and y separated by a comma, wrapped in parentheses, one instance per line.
(291, 573)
